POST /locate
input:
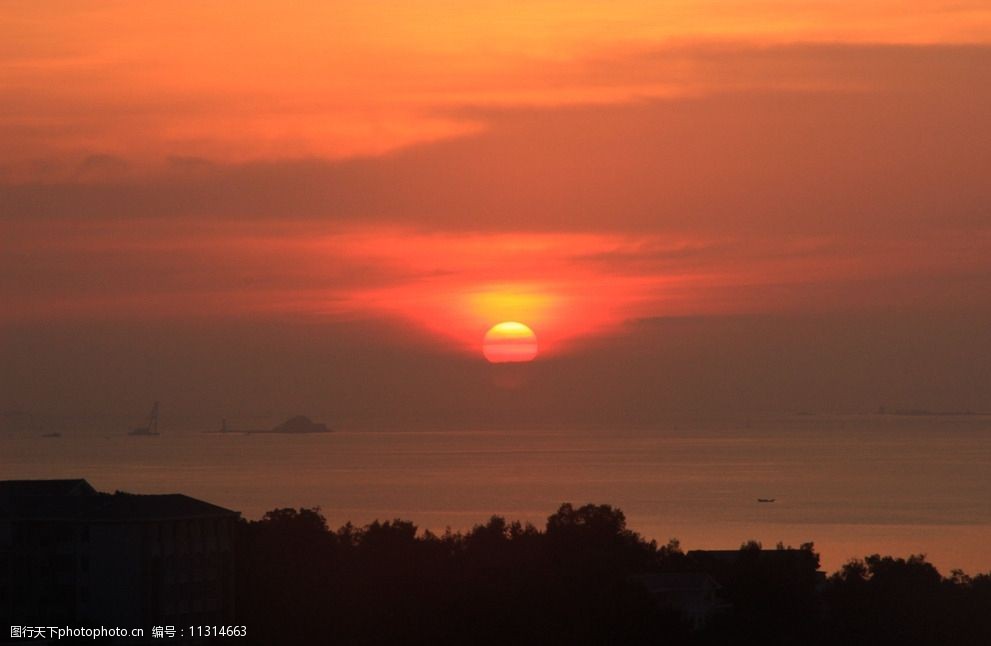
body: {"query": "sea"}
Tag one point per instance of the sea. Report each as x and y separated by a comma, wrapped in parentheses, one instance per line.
(853, 485)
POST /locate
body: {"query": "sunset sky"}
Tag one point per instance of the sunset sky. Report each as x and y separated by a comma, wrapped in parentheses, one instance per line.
(696, 206)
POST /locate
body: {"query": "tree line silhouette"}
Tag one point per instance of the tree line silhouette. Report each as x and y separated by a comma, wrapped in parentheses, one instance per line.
(577, 581)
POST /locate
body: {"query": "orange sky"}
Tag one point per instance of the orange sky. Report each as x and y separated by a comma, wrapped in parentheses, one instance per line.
(148, 81)
(447, 165)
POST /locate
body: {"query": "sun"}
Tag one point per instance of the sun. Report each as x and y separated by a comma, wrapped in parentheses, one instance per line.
(509, 342)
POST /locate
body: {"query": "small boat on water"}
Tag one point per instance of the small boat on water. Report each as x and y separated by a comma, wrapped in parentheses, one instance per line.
(152, 428)
(765, 500)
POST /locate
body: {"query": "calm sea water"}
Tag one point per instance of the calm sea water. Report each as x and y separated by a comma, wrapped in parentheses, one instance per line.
(854, 485)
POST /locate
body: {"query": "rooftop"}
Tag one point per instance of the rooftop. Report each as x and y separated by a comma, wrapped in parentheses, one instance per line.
(73, 487)
(77, 500)
(732, 556)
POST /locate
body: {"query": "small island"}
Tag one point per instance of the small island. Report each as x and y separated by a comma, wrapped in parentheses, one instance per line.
(299, 424)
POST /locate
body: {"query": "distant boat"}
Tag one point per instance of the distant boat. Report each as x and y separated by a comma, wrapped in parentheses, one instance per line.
(151, 428)
(55, 434)
(765, 500)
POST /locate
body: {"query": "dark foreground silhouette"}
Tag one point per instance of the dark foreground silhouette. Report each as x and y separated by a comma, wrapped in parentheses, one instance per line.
(584, 579)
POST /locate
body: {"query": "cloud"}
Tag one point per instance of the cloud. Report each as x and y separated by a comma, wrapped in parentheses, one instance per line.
(852, 177)
(891, 139)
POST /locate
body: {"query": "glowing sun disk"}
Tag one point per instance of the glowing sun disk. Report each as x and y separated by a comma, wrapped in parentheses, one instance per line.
(509, 342)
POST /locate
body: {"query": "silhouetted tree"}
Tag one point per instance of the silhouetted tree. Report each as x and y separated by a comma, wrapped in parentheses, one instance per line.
(882, 600)
(573, 583)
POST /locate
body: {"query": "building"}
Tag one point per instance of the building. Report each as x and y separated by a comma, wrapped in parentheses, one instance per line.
(72, 556)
